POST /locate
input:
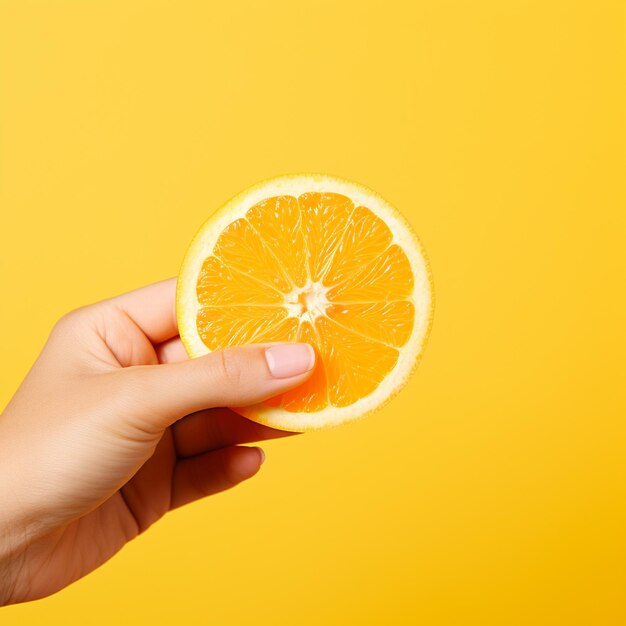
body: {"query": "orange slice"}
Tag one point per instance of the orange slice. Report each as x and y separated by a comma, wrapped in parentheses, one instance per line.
(317, 259)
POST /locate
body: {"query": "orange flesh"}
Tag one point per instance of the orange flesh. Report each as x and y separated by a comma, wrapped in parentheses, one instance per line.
(315, 269)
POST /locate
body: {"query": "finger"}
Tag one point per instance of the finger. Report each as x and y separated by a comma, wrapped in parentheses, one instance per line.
(206, 474)
(152, 308)
(171, 351)
(240, 376)
(218, 428)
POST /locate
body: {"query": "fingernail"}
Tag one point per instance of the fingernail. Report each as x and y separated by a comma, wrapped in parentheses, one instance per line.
(262, 455)
(290, 359)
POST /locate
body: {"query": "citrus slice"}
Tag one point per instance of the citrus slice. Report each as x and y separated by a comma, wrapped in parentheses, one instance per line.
(317, 259)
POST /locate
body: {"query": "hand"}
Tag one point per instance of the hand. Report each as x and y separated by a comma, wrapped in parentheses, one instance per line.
(112, 428)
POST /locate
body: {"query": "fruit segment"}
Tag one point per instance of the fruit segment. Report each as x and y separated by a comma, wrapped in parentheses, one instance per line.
(388, 277)
(389, 322)
(324, 220)
(277, 220)
(218, 284)
(366, 237)
(241, 248)
(221, 327)
(355, 365)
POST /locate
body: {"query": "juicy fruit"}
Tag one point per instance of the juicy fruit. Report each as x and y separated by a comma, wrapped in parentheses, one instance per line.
(316, 259)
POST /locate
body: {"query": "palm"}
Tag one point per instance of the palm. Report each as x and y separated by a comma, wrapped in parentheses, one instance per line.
(80, 547)
(190, 460)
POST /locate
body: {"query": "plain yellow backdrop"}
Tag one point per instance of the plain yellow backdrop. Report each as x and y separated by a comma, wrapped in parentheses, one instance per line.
(491, 491)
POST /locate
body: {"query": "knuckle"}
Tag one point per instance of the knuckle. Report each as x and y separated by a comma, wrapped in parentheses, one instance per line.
(197, 477)
(228, 366)
(64, 322)
(69, 321)
(230, 475)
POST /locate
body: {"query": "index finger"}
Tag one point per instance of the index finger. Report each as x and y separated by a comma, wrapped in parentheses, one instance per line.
(219, 428)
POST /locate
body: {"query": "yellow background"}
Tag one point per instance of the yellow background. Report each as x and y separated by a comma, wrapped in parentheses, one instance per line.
(491, 490)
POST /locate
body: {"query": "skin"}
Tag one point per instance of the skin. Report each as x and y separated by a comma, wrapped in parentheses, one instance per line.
(112, 428)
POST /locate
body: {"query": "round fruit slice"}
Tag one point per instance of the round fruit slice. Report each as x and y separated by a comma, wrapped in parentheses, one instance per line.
(316, 259)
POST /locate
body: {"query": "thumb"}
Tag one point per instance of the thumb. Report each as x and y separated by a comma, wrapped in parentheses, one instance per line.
(237, 376)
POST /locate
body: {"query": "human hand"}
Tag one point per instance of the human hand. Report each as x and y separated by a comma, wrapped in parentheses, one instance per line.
(112, 428)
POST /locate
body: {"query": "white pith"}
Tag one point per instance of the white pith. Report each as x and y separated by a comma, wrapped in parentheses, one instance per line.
(309, 302)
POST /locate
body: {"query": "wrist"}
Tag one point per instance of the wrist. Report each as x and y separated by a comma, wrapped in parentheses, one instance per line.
(15, 537)
(9, 561)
